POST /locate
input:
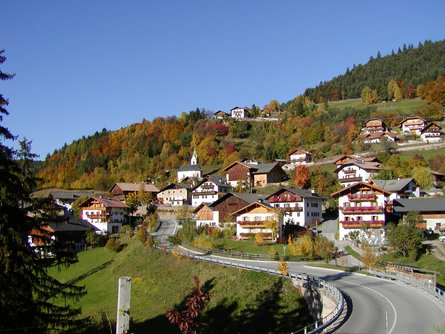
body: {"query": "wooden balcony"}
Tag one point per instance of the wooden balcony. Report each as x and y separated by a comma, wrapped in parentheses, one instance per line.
(350, 179)
(349, 171)
(291, 209)
(253, 223)
(266, 236)
(362, 209)
(360, 223)
(98, 215)
(361, 197)
(283, 199)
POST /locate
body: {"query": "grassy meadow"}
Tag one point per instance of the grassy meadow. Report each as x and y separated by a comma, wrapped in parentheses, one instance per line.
(240, 301)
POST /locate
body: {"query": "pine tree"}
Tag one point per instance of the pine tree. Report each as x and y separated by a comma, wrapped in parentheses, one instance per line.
(27, 291)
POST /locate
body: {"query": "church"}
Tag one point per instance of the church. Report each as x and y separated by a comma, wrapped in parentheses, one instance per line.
(193, 170)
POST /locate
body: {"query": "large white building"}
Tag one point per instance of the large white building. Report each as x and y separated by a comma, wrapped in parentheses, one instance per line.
(299, 206)
(209, 190)
(356, 171)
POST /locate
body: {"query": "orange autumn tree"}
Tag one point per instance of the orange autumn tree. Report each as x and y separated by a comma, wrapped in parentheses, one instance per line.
(301, 176)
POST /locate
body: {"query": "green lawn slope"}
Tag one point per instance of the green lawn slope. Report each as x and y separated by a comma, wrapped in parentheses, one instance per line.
(241, 301)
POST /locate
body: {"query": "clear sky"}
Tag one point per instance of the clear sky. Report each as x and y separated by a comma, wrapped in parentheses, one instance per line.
(86, 65)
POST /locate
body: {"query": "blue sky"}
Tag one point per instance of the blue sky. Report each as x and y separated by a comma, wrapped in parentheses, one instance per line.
(86, 65)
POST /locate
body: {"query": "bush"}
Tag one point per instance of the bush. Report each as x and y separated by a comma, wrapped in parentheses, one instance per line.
(141, 235)
(126, 229)
(259, 239)
(149, 242)
(113, 244)
(174, 240)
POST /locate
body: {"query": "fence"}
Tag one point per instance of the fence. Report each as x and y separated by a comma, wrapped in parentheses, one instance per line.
(433, 290)
(242, 255)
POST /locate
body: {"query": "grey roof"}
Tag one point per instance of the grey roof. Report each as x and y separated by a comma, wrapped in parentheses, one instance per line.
(218, 180)
(126, 186)
(261, 168)
(404, 205)
(247, 197)
(305, 193)
(70, 195)
(73, 224)
(189, 168)
(392, 185)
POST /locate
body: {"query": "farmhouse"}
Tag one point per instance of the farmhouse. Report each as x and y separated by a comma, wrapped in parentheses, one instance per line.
(176, 194)
(257, 218)
(254, 174)
(431, 133)
(221, 115)
(300, 207)
(356, 171)
(300, 157)
(122, 190)
(400, 188)
(209, 189)
(374, 125)
(106, 214)
(432, 211)
(238, 112)
(67, 198)
(361, 205)
(413, 125)
(377, 137)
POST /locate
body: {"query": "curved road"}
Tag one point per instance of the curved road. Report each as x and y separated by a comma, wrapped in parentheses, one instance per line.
(374, 305)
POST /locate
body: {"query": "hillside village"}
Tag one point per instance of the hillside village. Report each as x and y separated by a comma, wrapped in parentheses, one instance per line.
(231, 196)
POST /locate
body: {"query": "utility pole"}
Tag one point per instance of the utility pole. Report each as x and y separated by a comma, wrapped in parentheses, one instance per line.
(123, 305)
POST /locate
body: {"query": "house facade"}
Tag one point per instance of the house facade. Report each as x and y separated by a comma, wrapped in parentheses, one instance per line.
(413, 125)
(360, 206)
(106, 214)
(221, 115)
(374, 125)
(356, 171)
(431, 133)
(299, 206)
(67, 198)
(255, 218)
(254, 174)
(377, 137)
(400, 188)
(175, 194)
(300, 157)
(238, 112)
(209, 190)
(432, 211)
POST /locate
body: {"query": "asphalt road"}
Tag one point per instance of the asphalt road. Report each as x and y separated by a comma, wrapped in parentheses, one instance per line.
(374, 305)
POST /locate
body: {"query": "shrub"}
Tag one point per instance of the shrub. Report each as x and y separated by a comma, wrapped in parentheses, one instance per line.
(126, 229)
(283, 267)
(141, 235)
(149, 242)
(113, 244)
(259, 239)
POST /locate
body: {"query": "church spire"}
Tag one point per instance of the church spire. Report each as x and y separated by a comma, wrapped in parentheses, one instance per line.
(194, 159)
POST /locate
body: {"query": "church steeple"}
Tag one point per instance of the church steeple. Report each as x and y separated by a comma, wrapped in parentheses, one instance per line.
(194, 159)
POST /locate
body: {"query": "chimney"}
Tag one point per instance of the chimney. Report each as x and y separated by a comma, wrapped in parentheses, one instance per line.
(312, 191)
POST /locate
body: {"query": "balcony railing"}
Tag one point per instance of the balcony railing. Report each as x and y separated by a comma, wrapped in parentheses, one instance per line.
(283, 199)
(248, 235)
(362, 209)
(360, 223)
(349, 171)
(291, 209)
(98, 215)
(361, 197)
(209, 192)
(350, 179)
(251, 222)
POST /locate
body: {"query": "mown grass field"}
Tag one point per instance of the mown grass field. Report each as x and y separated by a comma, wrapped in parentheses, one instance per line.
(241, 301)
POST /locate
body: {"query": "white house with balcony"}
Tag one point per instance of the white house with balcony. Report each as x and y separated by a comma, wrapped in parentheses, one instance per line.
(209, 190)
(254, 218)
(431, 133)
(299, 206)
(413, 125)
(106, 214)
(356, 171)
(300, 157)
(362, 206)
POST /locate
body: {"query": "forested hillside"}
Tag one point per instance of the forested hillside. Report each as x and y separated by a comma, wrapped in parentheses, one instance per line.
(411, 66)
(155, 149)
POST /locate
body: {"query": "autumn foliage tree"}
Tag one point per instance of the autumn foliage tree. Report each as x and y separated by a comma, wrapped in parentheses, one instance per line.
(187, 320)
(301, 176)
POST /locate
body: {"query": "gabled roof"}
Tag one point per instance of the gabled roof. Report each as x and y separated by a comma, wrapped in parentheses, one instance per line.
(255, 168)
(299, 151)
(236, 108)
(221, 112)
(200, 206)
(352, 158)
(366, 165)
(73, 224)
(190, 168)
(375, 135)
(178, 185)
(429, 126)
(107, 202)
(135, 186)
(254, 205)
(247, 197)
(411, 117)
(404, 205)
(69, 195)
(351, 188)
(373, 120)
(392, 185)
(303, 193)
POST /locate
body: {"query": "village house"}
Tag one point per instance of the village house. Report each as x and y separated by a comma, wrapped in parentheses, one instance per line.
(219, 212)
(299, 206)
(122, 189)
(221, 115)
(176, 194)
(344, 159)
(255, 218)
(238, 112)
(413, 125)
(106, 214)
(192, 171)
(300, 157)
(374, 125)
(431, 133)
(209, 190)
(362, 205)
(400, 188)
(254, 174)
(377, 137)
(356, 171)
(432, 211)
